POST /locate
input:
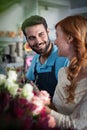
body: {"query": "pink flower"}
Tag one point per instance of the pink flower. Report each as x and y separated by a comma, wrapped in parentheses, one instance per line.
(37, 102)
(45, 97)
(51, 121)
(28, 123)
(18, 107)
(18, 112)
(4, 101)
(45, 121)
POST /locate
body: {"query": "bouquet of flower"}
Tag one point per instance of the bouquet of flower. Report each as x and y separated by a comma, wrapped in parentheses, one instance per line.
(23, 108)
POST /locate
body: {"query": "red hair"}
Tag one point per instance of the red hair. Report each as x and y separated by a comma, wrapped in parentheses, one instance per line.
(75, 26)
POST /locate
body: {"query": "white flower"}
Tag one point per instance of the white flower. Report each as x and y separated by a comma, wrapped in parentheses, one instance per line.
(9, 83)
(12, 75)
(2, 79)
(13, 90)
(11, 86)
(27, 91)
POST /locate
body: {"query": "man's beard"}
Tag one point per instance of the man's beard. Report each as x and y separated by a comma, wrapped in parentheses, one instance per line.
(45, 50)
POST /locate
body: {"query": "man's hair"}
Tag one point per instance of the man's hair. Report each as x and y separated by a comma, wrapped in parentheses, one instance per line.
(33, 20)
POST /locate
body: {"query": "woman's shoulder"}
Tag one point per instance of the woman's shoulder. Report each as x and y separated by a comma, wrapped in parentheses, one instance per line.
(62, 76)
(63, 71)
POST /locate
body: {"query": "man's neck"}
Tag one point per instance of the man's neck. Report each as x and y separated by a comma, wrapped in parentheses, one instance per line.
(46, 55)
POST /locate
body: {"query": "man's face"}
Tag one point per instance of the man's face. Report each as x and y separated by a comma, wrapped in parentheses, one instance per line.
(37, 38)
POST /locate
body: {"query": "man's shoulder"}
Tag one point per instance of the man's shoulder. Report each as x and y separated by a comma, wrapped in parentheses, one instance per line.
(35, 57)
(54, 51)
(55, 48)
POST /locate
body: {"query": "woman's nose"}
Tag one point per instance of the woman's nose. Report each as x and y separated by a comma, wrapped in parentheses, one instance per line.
(55, 41)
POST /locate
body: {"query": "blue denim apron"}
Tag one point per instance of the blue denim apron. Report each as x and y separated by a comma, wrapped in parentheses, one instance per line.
(46, 80)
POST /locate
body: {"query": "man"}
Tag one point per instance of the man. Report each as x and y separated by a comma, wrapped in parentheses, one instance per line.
(46, 63)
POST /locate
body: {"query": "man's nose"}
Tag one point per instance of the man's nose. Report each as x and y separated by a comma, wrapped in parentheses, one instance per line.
(38, 40)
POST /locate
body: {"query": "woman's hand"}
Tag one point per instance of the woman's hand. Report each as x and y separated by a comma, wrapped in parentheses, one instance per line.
(48, 110)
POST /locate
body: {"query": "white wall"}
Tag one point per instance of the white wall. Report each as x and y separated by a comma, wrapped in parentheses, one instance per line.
(11, 18)
(52, 16)
(52, 10)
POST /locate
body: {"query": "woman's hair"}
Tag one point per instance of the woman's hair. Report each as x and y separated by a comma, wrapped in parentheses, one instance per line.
(76, 26)
(33, 20)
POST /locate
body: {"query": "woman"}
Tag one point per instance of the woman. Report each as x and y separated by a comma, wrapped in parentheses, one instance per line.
(70, 97)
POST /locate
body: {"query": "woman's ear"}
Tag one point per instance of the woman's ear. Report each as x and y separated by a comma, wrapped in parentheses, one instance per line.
(48, 30)
(70, 38)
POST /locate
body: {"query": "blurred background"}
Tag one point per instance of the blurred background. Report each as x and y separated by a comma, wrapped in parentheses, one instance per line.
(13, 51)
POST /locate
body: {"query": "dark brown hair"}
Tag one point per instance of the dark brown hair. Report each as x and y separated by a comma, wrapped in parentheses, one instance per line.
(33, 20)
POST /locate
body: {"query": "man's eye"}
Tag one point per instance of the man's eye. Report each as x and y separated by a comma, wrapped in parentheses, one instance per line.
(41, 34)
(31, 38)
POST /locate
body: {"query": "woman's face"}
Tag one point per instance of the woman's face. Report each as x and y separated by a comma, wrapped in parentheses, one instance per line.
(63, 41)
